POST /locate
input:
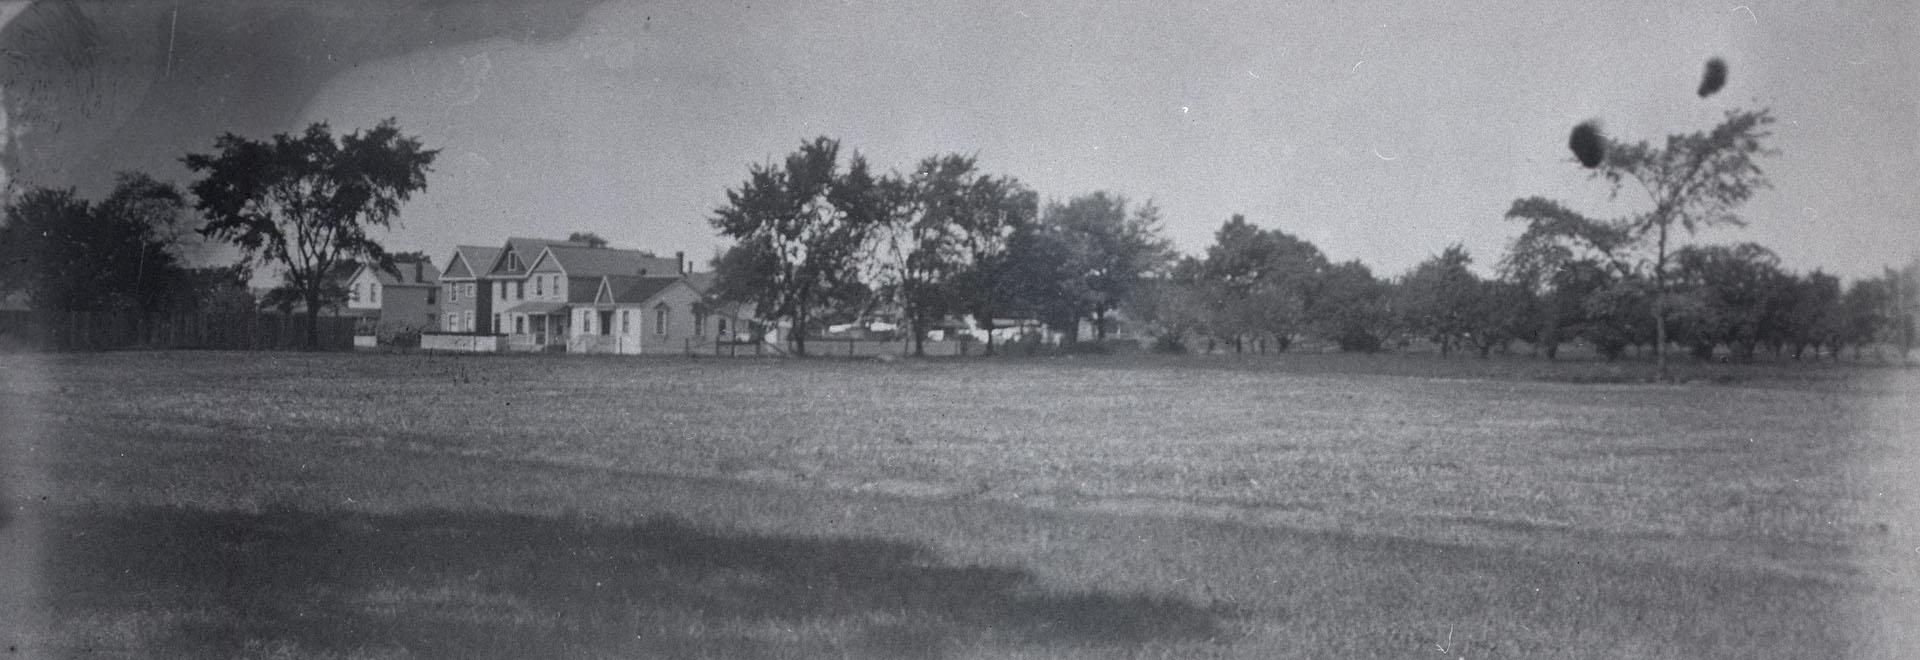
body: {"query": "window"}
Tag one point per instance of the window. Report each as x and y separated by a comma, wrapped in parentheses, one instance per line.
(520, 290)
(660, 319)
(539, 285)
(513, 261)
(520, 325)
(586, 321)
(431, 294)
(373, 292)
(626, 322)
(466, 322)
(699, 323)
(720, 325)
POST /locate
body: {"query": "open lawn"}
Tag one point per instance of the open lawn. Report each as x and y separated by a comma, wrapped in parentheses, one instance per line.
(1306, 506)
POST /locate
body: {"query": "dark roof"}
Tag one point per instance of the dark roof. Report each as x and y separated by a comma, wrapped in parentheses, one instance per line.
(581, 261)
(582, 289)
(638, 289)
(528, 249)
(598, 261)
(468, 256)
(425, 275)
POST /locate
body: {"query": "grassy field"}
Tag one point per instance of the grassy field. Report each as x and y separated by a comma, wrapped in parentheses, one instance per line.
(1306, 506)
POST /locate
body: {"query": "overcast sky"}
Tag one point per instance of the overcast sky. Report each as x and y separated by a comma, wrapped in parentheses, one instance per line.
(1380, 131)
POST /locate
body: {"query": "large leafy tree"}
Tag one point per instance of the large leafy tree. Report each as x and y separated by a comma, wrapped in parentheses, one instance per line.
(800, 229)
(1724, 295)
(946, 229)
(1265, 281)
(1083, 259)
(1690, 181)
(68, 254)
(1111, 249)
(992, 211)
(1352, 307)
(308, 203)
(1438, 297)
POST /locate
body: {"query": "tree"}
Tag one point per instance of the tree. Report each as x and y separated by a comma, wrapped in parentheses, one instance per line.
(1694, 180)
(1812, 314)
(1103, 253)
(587, 238)
(1265, 280)
(993, 210)
(1902, 305)
(799, 229)
(307, 203)
(1438, 297)
(1724, 296)
(1352, 308)
(117, 254)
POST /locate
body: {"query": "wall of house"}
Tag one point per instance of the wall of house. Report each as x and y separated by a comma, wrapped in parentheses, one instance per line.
(364, 291)
(457, 305)
(636, 327)
(404, 308)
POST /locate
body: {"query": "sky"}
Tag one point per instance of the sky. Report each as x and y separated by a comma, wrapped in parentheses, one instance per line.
(1380, 131)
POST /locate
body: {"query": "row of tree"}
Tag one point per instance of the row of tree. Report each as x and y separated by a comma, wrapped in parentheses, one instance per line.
(816, 242)
(819, 241)
(305, 204)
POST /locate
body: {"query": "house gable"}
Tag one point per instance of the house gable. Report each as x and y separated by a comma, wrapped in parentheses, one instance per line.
(546, 263)
(604, 296)
(457, 267)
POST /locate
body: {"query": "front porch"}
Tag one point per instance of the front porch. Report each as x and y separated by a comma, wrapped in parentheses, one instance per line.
(536, 326)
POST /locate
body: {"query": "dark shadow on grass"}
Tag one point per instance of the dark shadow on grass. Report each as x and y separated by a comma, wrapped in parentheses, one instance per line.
(464, 585)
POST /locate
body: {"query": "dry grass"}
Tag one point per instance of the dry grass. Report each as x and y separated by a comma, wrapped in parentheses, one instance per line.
(222, 505)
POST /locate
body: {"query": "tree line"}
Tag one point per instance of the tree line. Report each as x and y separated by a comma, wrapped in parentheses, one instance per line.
(820, 239)
(305, 203)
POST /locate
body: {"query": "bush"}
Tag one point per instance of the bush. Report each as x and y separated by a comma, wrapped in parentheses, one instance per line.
(1357, 340)
(407, 338)
(1086, 348)
(1170, 343)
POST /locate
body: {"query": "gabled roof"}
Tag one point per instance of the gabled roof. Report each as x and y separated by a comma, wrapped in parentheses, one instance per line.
(630, 289)
(424, 274)
(460, 265)
(527, 249)
(582, 261)
(582, 289)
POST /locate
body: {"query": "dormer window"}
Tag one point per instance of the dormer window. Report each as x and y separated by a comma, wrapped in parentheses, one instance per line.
(513, 262)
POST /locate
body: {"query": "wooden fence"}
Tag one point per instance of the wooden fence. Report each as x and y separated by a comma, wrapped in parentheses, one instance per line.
(102, 331)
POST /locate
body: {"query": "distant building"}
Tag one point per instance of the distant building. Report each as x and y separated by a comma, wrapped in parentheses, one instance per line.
(406, 298)
(547, 294)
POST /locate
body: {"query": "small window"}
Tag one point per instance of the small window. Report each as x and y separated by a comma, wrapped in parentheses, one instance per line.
(699, 324)
(496, 324)
(520, 290)
(586, 322)
(539, 285)
(519, 325)
(513, 261)
(720, 325)
(432, 294)
(660, 319)
(626, 322)
(466, 322)
(373, 292)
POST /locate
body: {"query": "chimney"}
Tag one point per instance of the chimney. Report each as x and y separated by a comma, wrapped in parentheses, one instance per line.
(681, 259)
